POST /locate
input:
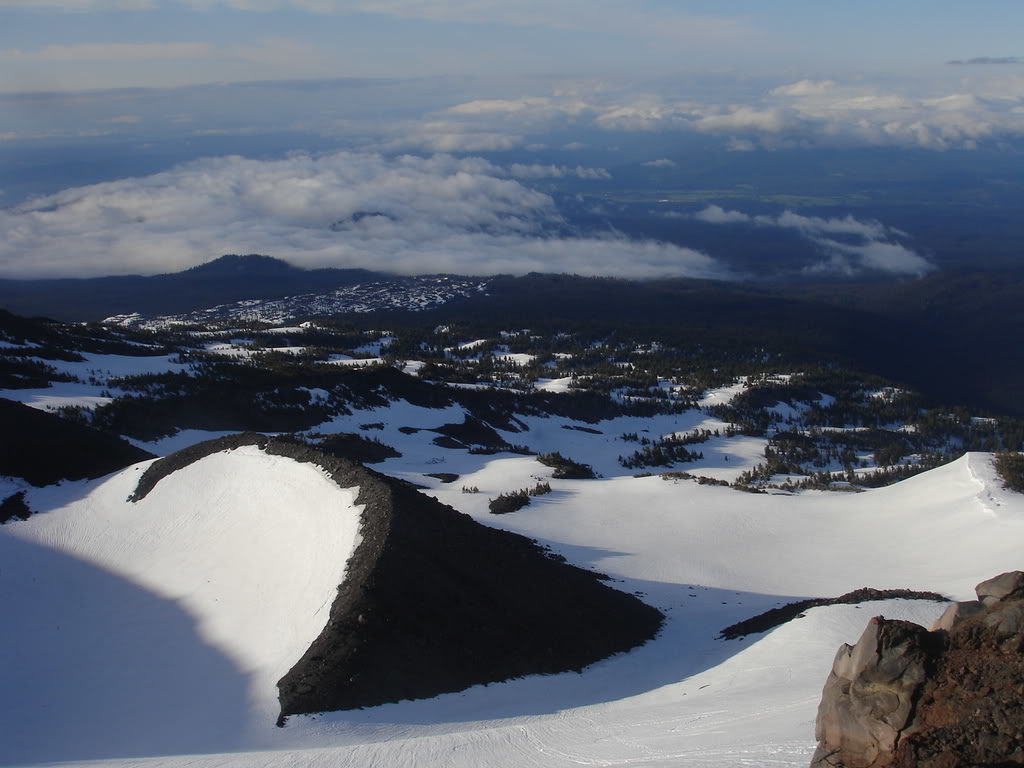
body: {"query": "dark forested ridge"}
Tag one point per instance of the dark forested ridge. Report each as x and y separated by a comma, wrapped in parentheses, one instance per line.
(43, 448)
(227, 279)
(943, 335)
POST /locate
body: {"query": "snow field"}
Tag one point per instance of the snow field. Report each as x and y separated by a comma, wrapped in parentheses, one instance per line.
(173, 618)
(707, 556)
(936, 531)
(753, 709)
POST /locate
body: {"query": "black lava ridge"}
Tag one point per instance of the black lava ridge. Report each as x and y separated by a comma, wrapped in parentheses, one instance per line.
(433, 602)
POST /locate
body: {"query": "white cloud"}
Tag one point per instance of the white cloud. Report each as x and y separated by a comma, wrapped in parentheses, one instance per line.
(451, 117)
(806, 112)
(814, 225)
(508, 106)
(520, 171)
(661, 162)
(714, 214)
(646, 113)
(850, 244)
(804, 88)
(744, 119)
(436, 136)
(407, 214)
(879, 256)
(863, 114)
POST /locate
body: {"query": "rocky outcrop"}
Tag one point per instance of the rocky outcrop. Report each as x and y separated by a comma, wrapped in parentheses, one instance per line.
(434, 602)
(870, 694)
(1002, 587)
(956, 613)
(774, 617)
(950, 697)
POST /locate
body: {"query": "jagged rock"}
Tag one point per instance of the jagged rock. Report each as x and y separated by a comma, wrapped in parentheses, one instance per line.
(907, 698)
(955, 613)
(1005, 620)
(869, 695)
(1010, 584)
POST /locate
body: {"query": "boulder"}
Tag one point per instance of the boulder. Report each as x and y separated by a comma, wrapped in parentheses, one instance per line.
(955, 613)
(869, 695)
(1005, 621)
(903, 697)
(1010, 584)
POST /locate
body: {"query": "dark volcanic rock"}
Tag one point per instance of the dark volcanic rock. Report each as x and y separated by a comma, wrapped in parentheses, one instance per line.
(43, 449)
(434, 602)
(949, 698)
(774, 617)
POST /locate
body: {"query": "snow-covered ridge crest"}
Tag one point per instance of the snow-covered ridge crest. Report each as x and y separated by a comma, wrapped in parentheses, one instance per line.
(272, 538)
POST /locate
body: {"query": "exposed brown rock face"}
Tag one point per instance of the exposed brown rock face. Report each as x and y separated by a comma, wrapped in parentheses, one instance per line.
(952, 697)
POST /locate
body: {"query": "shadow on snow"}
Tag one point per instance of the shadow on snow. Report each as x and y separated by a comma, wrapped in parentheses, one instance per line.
(93, 666)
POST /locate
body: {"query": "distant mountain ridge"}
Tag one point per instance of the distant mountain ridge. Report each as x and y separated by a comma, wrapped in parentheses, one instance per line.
(944, 334)
(227, 279)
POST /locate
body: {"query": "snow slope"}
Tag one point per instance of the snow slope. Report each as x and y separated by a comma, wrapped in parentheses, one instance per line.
(935, 531)
(707, 556)
(165, 625)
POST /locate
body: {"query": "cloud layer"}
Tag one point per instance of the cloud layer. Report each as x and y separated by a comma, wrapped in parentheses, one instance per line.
(797, 114)
(410, 215)
(442, 115)
(984, 60)
(850, 245)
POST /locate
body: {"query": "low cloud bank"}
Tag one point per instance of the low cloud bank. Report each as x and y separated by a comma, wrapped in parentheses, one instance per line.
(981, 107)
(408, 215)
(850, 245)
(989, 60)
(792, 115)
